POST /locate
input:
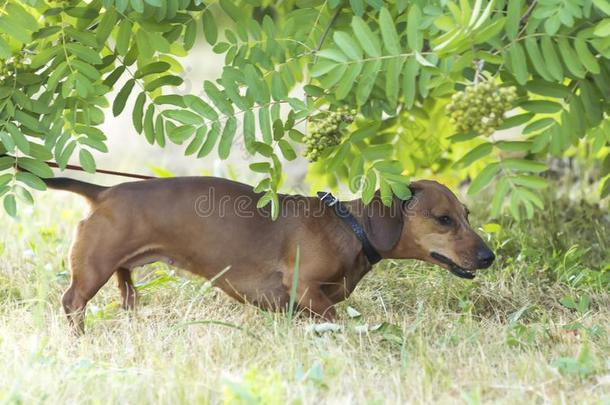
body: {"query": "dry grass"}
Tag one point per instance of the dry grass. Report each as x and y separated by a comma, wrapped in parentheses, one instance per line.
(504, 338)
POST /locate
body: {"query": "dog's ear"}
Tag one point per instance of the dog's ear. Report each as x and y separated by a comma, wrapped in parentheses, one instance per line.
(383, 224)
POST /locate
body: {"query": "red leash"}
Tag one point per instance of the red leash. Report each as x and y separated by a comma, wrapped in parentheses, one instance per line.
(79, 168)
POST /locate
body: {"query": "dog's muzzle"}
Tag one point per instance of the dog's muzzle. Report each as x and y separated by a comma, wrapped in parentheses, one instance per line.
(453, 267)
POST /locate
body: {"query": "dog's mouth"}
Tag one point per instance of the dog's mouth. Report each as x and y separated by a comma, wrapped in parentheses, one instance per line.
(454, 268)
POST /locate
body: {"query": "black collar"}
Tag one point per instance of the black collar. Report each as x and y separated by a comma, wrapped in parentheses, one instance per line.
(342, 211)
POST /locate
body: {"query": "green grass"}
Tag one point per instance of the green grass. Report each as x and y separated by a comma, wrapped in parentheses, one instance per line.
(533, 328)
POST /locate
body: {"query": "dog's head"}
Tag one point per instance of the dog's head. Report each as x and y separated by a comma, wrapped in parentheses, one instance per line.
(431, 226)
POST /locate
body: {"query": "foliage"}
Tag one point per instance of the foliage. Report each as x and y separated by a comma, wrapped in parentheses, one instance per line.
(397, 64)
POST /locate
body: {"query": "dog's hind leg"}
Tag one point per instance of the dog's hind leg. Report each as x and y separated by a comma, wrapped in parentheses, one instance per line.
(91, 268)
(85, 284)
(129, 295)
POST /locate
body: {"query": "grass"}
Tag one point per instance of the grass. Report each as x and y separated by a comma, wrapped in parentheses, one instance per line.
(533, 328)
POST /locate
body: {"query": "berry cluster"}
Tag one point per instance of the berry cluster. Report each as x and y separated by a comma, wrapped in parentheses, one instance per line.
(326, 132)
(481, 107)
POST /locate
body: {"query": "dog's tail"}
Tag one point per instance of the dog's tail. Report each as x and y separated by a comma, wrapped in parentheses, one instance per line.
(90, 191)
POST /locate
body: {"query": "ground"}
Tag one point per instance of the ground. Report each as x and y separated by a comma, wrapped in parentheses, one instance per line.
(533, 328)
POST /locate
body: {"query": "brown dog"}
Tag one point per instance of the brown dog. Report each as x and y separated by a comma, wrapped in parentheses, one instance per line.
(206, 224)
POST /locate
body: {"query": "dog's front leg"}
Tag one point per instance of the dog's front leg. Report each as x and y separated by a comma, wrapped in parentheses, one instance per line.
(311, 298)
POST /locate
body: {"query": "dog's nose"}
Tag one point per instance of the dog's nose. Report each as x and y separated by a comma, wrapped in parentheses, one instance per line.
(485, 257)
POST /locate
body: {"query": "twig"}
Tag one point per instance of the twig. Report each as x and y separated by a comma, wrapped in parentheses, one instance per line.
(528, 12)
(325, 34)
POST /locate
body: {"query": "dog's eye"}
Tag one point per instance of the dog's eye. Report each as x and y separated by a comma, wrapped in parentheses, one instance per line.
(444, 220)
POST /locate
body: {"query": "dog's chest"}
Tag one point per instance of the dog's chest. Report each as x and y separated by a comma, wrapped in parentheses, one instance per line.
(347, 278)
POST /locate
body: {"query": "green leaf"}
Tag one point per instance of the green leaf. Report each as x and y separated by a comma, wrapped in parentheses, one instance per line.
(168, 80)
(287, 150)
(14, 29)
(414, 37)
(86, 69)
(369, 185)
(40, 169)
(516, 120)
(388, 31)
(518, 62)
(5, 179)
(475, 154)
(200, 107)
(86, 160)
(256, 85)
(548, 89)
(121, 98)
(197, 141)
(149, 128)
(514, 146)
(190, 34)
(249, 130)
(602, 29)
(263, 149)
(348, 45)
(541, 106)
(137, 5)
(218, 98)
(392, 84)
(123, 37)
(551, 58)
(180, 134)
(570, 58)
(357, 6)
(265, 124)
(346, 83)
(368, 40)
(210, 31)
(152, 68)
(367, 81)
(231, 9)
(533, 182)
(210, 141)
(85, 53)
(226, 141)
(499, 194)
(138, 112)
(531, 45)
(18, 138)
(513, 18)
(278, 87)
(31, 180)
(7, 141)
(332, 54)
(401, 190)
(385, 191)
(260, 167)
(484, 178)
(524, 165)
(66, 153)
(603, 5)
(322, 67)
(585, 55)
(409, 84)
(5, 50)
(23, 194)
(10, 205)
(539, 125)
(183, 116)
